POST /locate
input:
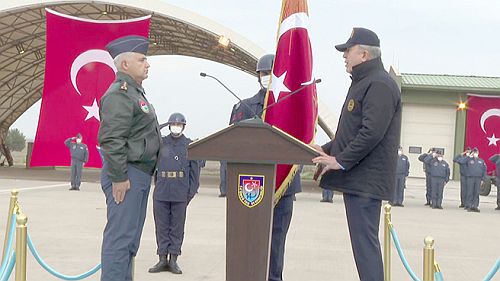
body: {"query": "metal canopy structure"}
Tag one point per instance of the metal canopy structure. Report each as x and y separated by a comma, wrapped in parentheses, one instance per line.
(173, 31)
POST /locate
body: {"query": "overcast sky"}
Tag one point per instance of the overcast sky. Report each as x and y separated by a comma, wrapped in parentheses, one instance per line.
(436, 37)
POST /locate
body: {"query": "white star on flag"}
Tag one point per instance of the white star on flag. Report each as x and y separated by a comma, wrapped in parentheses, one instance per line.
(278, 85)
(93, 111)
(493, 140)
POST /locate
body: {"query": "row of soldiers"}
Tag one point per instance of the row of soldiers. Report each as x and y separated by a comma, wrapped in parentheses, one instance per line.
(472, 174)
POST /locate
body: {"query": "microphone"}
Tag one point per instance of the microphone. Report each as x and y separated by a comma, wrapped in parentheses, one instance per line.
(203, 74)
(316, 81)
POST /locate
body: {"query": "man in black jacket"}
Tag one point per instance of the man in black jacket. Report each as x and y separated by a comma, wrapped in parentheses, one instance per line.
(360, 161)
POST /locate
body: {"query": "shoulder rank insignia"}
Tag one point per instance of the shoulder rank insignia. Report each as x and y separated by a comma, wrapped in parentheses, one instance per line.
(124, 86)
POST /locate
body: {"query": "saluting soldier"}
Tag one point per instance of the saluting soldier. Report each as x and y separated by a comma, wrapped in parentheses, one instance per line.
(463, 175)
(130, 142)
(476, 168)
(439, 171)
(79, 156)
(496, 159)
(428, 189)
(402, 171)
(177, 181)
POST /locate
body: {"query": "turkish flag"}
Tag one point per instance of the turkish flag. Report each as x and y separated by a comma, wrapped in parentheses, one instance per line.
(293, 68)
(483, 126)
(78, 71)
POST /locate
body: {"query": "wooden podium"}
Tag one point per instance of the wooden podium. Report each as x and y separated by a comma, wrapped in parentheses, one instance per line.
(252, 149)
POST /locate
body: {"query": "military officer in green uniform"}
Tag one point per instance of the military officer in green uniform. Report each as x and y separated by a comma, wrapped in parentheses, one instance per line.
(129, 136)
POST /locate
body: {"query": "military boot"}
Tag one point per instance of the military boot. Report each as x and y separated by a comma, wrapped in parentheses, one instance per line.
(173, 266)
(162, 265)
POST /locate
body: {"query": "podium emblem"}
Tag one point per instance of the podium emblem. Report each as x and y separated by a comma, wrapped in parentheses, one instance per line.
(250, 189)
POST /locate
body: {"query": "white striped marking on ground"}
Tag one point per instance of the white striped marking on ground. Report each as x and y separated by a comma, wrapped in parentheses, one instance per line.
(35, 187)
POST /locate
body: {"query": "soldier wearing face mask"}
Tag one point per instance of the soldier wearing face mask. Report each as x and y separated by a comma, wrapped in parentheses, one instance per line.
(428, 192)
(463, 175)
(402, 171)
(496, 159)
(177, 181)
(79, 156)
(439, 171)
(476, 168)
(249, 108)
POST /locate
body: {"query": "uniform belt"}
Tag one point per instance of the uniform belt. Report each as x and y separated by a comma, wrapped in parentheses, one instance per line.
(172, 174)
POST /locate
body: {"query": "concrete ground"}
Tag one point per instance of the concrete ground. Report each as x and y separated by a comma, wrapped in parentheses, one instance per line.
(66, 227)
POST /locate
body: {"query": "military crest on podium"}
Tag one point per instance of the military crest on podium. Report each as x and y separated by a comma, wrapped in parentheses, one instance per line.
(250, 189)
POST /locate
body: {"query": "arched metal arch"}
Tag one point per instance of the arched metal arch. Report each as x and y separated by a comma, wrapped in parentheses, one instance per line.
(174, 31)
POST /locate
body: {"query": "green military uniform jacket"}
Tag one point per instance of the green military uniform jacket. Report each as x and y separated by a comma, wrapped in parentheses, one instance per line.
(129, 132)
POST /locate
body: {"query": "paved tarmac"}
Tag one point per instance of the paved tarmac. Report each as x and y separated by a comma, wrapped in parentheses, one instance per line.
(66, 228)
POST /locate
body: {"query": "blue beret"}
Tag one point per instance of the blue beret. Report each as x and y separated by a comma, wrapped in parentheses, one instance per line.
(132, 43)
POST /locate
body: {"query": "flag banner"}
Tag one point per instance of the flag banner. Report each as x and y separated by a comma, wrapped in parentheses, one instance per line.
(293, 68)
(483, 126)
(78, 71)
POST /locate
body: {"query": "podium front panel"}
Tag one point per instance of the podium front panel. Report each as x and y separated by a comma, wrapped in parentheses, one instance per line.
(250, 191)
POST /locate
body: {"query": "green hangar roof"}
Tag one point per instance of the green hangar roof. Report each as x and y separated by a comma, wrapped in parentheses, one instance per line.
(450, 82)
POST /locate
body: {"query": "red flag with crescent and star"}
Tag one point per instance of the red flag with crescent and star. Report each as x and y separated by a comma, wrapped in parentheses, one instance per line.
(483, 126)
(293, 68)
(78, 71)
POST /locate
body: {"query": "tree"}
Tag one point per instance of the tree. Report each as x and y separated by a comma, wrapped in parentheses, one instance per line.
(16, 141)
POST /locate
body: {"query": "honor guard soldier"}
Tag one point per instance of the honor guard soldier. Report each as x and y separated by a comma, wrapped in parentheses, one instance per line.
(428, 192)
(402, 171)
(250, 108)
(476, 168)
(439, 171)
(177, 181)
(79, 156)
(129, 136)
(463, 175)
(496, 159)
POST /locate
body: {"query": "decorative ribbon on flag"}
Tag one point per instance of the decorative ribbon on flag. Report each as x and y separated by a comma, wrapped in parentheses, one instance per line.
(293, 68)
(78, 71)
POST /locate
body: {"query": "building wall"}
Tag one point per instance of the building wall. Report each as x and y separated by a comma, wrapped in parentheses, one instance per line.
(438, 99)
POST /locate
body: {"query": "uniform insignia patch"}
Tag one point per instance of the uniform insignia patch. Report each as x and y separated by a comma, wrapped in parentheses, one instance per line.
(124, 86)
(250, 189)
(144, 106)
(350, 105)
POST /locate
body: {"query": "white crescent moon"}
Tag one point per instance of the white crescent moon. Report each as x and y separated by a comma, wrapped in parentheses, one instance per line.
(487, 114)
(246, 188)
(94, 55)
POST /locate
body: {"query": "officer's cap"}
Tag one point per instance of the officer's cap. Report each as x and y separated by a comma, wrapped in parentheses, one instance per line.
(360, 36)
(475, 149)
(78, 136)
(132, 43)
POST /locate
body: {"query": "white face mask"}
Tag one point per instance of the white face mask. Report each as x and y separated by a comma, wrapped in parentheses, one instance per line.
(400, 152)
(476, 155)
(264, 81)
(78, 140)
(440, 158)
(176, 130)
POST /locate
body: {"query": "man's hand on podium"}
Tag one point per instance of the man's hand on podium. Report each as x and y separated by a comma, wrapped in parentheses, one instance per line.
(325, 162)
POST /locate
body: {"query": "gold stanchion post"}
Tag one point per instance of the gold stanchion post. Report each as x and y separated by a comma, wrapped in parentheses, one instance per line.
(21, 247)
(387, 242)
(13, 203)
(429, 259)
(133, 268)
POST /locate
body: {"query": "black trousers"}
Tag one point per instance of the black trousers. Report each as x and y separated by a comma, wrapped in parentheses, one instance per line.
(363, 218)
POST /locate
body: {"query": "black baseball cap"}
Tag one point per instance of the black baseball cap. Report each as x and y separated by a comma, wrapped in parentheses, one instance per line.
(360, 36)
